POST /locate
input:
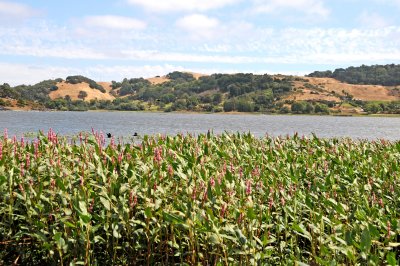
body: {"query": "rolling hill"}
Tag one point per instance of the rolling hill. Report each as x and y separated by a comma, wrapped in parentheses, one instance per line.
(319, 92)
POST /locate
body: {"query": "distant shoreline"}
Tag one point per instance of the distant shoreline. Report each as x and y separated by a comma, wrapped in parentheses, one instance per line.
(218, 113)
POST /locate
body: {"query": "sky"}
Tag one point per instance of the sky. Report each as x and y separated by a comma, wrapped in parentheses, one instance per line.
(110, 40)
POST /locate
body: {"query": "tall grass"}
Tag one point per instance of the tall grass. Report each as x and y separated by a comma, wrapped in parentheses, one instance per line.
(229, 199)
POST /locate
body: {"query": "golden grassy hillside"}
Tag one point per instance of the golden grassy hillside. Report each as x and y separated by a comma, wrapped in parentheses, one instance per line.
(330, 89)
(73, 90)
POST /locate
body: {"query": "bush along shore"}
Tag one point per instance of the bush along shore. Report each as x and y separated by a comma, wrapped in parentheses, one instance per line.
(229, 199)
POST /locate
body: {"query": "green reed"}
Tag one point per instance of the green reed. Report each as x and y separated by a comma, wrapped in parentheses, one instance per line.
(199, 200)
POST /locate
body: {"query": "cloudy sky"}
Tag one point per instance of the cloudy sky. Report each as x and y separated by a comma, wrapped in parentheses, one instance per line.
(110, 40)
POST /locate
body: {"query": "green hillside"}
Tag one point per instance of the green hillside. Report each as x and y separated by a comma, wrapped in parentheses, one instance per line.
(241, 92)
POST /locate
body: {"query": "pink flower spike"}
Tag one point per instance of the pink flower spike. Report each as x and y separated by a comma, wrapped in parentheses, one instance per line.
(248, 187)
(212, 182)
(381, 203)
(170, 170)
(283, 201)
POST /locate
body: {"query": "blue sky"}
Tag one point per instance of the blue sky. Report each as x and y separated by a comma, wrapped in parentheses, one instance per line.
(109, 40)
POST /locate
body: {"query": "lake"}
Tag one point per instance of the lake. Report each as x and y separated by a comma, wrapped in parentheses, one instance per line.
(126, 123)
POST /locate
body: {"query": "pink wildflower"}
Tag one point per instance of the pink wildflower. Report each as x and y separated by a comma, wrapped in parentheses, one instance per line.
(170, 170)
(248, 187)
(52, 184)
(112, 143)
(205, 194)
(240, 219)
(256, 172)
(283, 201)
(21, 188)
(381, 203)
(22, 169)
(28, 161)
(194, 193)
(36, 147)
(223, 210)
(157, 155)
(212, 182)
(224, 168)
(271, 203)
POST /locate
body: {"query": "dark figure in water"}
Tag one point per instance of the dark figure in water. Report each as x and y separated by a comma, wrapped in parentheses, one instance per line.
(135, 134)
(108, 135)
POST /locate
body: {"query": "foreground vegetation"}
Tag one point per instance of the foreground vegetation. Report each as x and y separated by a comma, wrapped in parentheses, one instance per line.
(207, 199)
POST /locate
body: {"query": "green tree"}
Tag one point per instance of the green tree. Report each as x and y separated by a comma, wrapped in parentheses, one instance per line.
(230, 105)
(82, 95)
(217, 98)
(297, 107)
(244, 105)
(321, 108)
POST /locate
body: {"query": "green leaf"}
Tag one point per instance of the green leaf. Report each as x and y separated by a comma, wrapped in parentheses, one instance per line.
(106, 203)
(214, 239)
(82, 207)
(391, 259)
(240, 236)
(373, 231)
(59, 240)
(172, 218)
(85, 218)
(60, 184)
(67, 211)
(251, 214)
(394, 245)
(365, 240)
(40, 236)
(99, 239)
(71, 225)
(3, 180)
(301, 230)
(148, 212)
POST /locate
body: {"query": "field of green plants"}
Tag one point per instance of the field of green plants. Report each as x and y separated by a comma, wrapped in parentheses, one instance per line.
(230, 199)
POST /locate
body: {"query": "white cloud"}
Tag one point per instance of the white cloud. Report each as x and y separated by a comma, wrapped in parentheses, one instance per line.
(11, 73)
(16, 11)
(114, 22)
(198, 25)
(181, 5)
(309, 7)
(372, 20)
(33, 74)
(288, 46)
(391, 2)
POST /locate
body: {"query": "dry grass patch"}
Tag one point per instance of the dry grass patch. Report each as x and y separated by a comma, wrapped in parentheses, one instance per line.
(361, 92)
(73, 90)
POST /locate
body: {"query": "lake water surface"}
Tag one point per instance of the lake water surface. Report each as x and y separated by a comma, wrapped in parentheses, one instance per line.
(126, 123)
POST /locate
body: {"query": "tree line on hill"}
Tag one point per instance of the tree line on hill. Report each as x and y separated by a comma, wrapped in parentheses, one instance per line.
(386, 75)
